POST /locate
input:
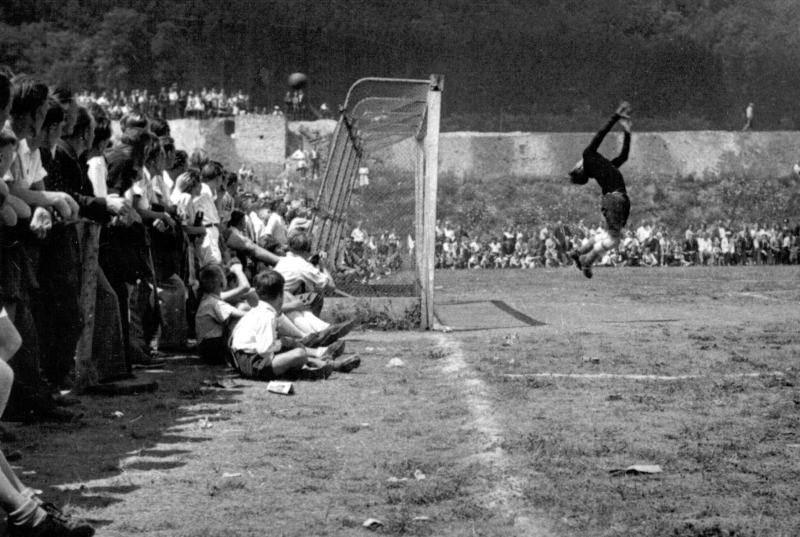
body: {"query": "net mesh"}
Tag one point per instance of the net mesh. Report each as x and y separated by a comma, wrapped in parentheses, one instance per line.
(365, 210)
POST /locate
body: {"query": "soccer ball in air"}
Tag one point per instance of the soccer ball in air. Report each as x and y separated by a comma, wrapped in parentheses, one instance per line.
(297, 80)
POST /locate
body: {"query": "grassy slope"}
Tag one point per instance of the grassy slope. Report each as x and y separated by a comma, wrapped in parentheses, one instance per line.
(488, 205)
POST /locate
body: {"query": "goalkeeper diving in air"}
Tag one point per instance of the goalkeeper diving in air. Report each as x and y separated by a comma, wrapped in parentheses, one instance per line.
(615, 204)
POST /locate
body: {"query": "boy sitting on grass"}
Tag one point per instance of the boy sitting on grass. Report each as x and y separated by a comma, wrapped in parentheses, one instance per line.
(214, 315)
(258, 352)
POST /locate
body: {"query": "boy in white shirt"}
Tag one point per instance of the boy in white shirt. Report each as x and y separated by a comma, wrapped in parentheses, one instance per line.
(259, 353)
(208, 251)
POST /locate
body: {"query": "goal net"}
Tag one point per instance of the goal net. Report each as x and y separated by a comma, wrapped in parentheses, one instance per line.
(375, 212)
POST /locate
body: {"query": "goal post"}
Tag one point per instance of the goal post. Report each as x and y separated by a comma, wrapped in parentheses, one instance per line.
(428, 157)
(382, 175)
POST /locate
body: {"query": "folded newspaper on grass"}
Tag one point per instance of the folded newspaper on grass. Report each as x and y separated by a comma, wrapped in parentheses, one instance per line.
(283, 388)
(637, 469)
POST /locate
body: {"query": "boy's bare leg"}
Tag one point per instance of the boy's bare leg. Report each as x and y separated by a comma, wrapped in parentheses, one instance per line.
(293, 359)
(286, 328)
(20, 507)
(307, 322)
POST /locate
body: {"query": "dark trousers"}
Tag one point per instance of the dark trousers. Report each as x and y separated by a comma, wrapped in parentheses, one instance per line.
(59, 316)
(215, 350)
(108, 341)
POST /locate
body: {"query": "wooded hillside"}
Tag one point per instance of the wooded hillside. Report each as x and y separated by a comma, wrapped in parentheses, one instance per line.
(509, 64)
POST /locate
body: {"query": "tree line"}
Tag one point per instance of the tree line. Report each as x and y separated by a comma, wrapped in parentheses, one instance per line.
(509, 64)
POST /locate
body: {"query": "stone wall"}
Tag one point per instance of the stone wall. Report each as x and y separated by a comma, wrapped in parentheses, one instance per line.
(257, 141)
(701, 154)
(264, 142)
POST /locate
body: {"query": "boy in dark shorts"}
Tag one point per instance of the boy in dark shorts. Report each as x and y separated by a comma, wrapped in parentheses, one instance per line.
(257, 351)
(615, 204)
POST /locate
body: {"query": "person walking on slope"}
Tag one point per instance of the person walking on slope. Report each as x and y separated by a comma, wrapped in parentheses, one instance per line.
(615, 204)
(749, 116)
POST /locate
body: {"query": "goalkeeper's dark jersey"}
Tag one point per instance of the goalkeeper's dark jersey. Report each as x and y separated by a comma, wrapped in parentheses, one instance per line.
(606, 172)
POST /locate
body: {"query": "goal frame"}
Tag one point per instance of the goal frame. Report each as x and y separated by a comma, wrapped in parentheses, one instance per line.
(352, 140)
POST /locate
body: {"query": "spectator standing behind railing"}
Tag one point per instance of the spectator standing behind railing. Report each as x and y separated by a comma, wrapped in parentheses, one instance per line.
(120, 255)
(61, 256)
(31, 399)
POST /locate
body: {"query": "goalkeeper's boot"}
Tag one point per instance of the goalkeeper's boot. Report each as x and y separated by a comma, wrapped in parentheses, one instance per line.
(576, 257)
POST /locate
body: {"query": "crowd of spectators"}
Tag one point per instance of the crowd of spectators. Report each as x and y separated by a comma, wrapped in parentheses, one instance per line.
(176, 103)
(115, 251)
(649, 245)
(364, 256)
(172, 103)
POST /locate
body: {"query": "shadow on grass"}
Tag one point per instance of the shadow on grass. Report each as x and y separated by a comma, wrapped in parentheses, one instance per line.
(119, 435)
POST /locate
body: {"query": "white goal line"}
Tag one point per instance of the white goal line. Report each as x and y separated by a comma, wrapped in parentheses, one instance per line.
(640, 377)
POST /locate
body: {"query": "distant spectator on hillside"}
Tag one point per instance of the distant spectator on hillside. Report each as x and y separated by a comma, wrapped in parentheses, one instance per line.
(363, 176)
(749, 116)
(314, 156)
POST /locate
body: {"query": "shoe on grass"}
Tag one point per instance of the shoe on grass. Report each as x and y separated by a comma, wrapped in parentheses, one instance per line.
(54, 525)
(66, 400)
(336, 349)
(54, 414)
(316, 373)
(326, 337)
(337, 331)
(148, 362)
(348, 364)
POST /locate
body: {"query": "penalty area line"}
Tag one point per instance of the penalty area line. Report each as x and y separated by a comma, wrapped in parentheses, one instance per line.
(599, 376)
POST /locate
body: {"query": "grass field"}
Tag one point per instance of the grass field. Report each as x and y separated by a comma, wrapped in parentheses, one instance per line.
(515, 431)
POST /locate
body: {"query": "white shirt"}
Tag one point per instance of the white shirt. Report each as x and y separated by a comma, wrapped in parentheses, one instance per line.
(257, 331)
(169, 182)
(276, 228)
(358, 235)
(144, 189)
(296, 270)
(259, 228)
(27, 168)
(98, 172)
(205, 202)
(185, 208)
(160, 187)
